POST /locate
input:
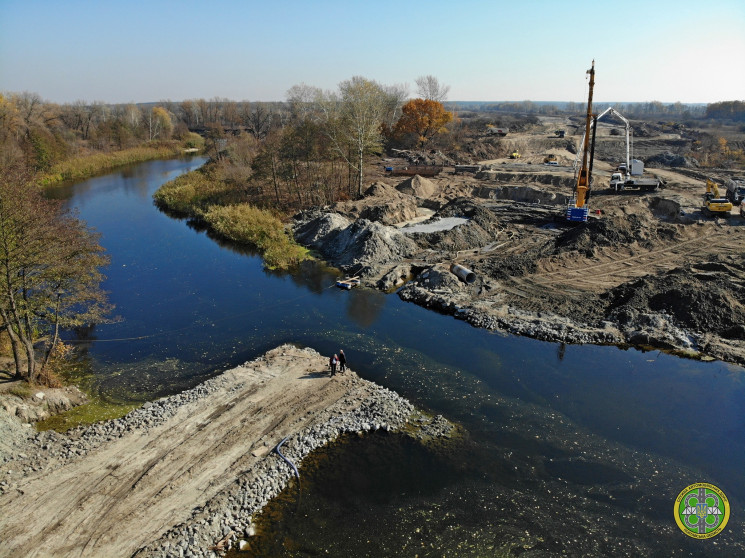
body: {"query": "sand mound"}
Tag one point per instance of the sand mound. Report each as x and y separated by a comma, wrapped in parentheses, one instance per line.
(417, 186)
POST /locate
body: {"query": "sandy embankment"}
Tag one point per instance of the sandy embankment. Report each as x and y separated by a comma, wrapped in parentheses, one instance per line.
(180, 473)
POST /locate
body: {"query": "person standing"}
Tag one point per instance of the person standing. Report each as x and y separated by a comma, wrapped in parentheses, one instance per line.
(333, 361)
(342, 361)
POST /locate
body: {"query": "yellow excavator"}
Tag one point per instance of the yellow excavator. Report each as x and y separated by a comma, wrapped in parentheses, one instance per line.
(714, 204)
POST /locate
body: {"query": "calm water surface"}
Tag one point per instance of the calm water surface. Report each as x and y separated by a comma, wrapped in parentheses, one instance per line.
(579, 448)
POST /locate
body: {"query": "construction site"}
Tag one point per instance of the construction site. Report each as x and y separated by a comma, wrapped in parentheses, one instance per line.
(592, 230)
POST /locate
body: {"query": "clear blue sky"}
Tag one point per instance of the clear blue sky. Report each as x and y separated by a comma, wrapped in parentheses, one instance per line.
(121, 51)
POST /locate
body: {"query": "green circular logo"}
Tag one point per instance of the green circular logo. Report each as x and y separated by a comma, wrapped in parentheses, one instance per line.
(701, 510)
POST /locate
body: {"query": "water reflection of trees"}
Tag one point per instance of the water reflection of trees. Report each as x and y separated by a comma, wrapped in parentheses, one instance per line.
(313, 275)
(364, 306)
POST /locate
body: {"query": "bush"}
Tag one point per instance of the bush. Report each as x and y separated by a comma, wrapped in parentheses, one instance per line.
(260, 228)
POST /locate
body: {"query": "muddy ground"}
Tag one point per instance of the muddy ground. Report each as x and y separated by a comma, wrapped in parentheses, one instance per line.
(647, 269)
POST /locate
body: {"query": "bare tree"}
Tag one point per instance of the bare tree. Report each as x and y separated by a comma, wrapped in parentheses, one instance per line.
(257, 118)
(397, 95)
(353, 120)
(430, 89)
(301, 98)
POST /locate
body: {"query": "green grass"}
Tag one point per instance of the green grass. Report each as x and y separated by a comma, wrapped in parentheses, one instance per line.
(82, 415)
(22, 390)
(190, 193)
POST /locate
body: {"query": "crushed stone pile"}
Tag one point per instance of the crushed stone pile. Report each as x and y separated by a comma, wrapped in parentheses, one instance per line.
(363, 247)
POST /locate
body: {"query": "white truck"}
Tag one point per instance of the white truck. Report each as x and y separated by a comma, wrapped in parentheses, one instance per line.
(633, 179)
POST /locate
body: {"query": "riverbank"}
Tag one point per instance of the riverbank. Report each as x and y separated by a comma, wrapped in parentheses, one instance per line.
(87, 166)
(182, 473)
(214, 203)
(644, 271)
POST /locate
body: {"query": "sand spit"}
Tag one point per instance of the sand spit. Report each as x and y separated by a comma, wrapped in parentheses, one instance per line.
(180, 474)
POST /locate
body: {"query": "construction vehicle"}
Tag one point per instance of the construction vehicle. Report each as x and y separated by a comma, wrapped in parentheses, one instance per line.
(714, 204)
(735, 190)
(633, 179)
(549, 158)
(630, 174)
(578, 209)
(515, 154)
(494, 131)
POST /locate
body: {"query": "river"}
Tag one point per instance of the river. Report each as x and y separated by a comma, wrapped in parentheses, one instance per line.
(578, 448)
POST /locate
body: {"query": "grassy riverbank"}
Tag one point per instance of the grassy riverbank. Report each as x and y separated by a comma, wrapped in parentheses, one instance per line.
(86, 166)
(220, 205)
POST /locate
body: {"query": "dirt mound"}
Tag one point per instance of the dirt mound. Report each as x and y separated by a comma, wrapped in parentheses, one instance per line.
(479, 231)
(418, 186)
(669, 159)
(381, 203)
(430, 157)
(362, 247)
(704, 298)
(612, 230)
(381, 190)
(313, 227)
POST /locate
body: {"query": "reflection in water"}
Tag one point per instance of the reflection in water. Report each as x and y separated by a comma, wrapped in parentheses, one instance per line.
(364, 306)
(539, 416)
(315, 276)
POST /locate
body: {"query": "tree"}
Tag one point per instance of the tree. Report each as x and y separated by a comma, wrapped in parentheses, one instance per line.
(422, 117)
(49, 273)
(159, 123)
(353, 120)
(430, 89)
(257, 118)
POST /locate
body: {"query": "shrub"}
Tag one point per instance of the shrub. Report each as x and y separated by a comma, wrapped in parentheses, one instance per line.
(247, 224)
(90, 165)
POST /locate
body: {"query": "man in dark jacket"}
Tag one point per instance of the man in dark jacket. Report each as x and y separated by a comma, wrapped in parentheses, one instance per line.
(342, 362)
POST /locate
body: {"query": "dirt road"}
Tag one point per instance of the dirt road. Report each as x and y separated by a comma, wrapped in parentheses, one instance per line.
(128, 491)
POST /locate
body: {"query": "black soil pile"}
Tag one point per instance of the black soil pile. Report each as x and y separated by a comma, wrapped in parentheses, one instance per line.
(480, 230)
(612, 231)
(703, 298)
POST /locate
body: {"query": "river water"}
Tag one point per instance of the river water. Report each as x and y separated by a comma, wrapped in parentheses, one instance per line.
(576, 449)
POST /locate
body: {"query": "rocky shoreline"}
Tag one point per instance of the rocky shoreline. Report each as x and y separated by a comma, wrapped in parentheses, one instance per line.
(594, 284)
(225, 517)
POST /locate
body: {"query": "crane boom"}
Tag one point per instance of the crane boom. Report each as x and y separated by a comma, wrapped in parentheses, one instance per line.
(614, 112)
(578, 210)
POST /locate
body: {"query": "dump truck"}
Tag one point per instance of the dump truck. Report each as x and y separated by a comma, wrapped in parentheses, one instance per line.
(735, 190)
